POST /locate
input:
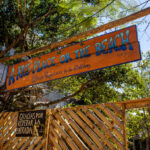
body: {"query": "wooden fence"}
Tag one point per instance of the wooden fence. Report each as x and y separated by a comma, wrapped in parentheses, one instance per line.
(100, 126)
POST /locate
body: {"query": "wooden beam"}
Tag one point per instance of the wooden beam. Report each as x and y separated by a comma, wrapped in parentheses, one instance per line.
(91, 32)
(140, 103)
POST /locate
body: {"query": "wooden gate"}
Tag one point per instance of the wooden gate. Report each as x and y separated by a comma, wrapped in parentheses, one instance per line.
(100, 126)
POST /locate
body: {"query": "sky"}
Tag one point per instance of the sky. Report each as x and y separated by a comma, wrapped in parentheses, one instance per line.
(144, 36)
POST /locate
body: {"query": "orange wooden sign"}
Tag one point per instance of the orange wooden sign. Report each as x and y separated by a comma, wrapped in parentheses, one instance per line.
(108, 50)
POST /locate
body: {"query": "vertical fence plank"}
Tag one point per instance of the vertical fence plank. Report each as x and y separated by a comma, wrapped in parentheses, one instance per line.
(124, 121)
(48, 113)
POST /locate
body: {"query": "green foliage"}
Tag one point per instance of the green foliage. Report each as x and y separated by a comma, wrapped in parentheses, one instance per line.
(138, 124)
(143, 74)
(138, 120)
(100, 86)
(49, 21)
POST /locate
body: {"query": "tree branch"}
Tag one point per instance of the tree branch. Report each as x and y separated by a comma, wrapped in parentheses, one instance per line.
(30, 9)
(22, 14)
(14, 41)
(42, 17)
(59, 100)
(18, 10)
(101, 28)
(24, 31)
(83, 87)
(44, 99)
(25, 4)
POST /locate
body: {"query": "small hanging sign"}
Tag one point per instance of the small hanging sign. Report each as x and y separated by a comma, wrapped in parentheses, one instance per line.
(31, 123)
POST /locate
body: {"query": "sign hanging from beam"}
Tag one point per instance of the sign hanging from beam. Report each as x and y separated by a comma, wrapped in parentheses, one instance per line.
(108, 50)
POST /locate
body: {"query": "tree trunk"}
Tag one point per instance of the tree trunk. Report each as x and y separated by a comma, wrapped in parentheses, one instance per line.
(140, 142)
(134, 148)
(148, 143)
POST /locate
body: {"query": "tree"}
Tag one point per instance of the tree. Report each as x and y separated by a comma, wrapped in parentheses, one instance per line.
(23, 23)
(138, 121)
(99, 86)
(27, 25)
(138, 128)
(142, 67)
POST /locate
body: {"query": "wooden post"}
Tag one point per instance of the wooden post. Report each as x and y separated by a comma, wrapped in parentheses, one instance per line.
(1, 143)
(48, 112)
(1, 125)
(124, 124)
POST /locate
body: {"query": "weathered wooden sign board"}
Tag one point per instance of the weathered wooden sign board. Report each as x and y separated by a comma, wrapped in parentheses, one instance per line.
(31, 123)
(108, 50)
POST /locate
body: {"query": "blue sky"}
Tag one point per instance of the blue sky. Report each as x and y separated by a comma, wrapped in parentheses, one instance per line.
(144, 37)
